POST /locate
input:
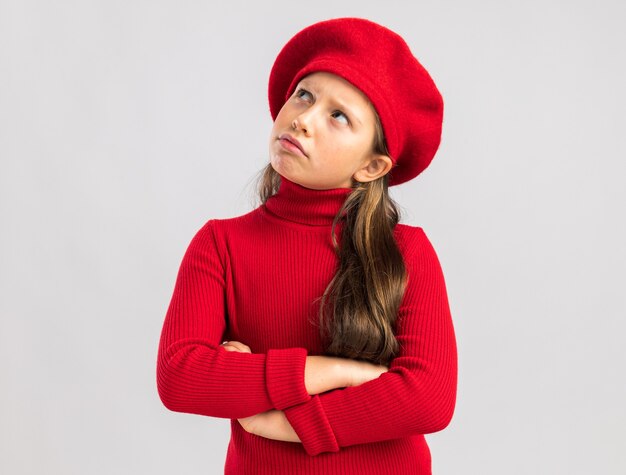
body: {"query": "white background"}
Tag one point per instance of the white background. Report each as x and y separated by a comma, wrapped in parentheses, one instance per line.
(126, 125)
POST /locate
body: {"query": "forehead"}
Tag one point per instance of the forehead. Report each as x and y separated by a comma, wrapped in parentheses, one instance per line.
(337, 87)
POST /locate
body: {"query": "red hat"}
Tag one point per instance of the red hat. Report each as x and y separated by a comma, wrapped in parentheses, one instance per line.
(378, 62)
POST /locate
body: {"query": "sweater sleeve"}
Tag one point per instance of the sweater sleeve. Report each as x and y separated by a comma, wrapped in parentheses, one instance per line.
(194, 373)
(418, 393)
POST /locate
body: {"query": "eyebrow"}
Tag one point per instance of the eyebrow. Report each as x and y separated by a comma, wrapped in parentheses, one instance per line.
(340, 104)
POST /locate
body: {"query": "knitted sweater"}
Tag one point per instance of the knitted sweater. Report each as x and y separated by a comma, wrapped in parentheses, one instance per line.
(256, 278)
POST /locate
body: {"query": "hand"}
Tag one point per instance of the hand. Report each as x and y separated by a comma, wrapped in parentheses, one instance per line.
(248, 423)
(236, 346)
(272, 424)
(363, 371)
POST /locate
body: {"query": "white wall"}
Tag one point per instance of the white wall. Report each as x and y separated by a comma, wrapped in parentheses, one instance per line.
(124, 126)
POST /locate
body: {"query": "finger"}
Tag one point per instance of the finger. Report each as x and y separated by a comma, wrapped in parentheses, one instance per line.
(236, 346)
(241, 346)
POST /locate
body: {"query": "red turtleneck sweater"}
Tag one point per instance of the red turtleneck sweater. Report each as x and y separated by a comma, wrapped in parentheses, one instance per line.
(254, 279)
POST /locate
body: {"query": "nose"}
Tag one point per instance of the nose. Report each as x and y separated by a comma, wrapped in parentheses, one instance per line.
(303, 122)
(297, 123)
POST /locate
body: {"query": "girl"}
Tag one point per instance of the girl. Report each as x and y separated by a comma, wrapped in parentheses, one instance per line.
(317, 323)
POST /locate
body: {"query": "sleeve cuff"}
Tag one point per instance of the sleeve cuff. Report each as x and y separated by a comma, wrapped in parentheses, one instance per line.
(284, 373)
(310, 423)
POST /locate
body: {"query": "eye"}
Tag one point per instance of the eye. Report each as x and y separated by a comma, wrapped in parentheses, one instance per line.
(341, 117)
(303, 93)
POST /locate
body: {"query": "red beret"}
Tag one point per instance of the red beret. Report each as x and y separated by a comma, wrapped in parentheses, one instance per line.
(378, 62)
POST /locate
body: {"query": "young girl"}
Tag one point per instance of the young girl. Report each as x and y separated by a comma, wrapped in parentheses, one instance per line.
(316, 323)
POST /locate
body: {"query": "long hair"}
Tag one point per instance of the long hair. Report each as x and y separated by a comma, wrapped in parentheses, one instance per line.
(359, 307)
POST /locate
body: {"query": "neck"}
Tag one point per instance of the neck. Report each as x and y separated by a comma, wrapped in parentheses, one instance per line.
(308, 206)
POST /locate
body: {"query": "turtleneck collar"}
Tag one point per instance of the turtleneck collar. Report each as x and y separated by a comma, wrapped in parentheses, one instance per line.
(299, 204)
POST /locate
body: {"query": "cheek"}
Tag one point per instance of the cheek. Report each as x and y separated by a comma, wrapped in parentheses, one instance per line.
(281, 113)
(349, 147)
(288, 109)
(281, 119)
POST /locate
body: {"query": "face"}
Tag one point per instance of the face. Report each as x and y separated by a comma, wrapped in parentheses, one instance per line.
(334, 124)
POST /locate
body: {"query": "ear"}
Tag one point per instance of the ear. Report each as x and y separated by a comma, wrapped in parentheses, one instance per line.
(376, 166)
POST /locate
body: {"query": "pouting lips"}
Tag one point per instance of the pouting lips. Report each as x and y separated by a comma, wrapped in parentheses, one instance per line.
(290, 142)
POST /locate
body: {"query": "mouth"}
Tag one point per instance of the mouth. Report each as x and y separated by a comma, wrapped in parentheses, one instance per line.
(290, 143)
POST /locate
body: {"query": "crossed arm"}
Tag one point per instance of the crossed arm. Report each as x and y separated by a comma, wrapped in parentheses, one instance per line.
(415, 396)
(272, 399)
(321, 374)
